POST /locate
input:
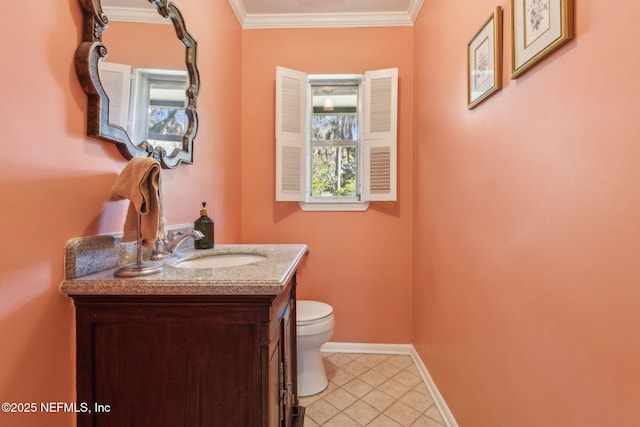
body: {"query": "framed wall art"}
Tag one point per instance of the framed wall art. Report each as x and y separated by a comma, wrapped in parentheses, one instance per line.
(484, 60)
(538, 27)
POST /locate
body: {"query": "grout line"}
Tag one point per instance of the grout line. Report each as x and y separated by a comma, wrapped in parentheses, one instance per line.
(439, 404)
(403, 349)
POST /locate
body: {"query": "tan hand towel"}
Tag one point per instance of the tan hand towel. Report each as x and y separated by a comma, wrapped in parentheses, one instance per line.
(141, 183)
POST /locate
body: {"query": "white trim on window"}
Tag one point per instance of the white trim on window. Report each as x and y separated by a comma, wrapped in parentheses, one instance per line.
(334, 206)
(379, 143)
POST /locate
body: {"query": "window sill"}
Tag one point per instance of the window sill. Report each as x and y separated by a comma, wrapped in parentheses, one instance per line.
(334, 206)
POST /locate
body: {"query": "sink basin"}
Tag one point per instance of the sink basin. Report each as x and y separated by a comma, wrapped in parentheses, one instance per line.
(220, 260)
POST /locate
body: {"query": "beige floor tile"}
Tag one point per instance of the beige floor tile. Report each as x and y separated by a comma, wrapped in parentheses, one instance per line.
(422, 421)
(402, 361)
(329, 366)
(331, 387)
(370, 360)
(402, 413)
(407, 378)
(413, 369)
(340, 420)
(361, 412)
(355, 368)
(373, 390)
(394, 388)
(341, 398)
(379, 399)
(434, 414)
(308, 400)
(388, 369)
(339, 377)
(321, 411)
(373, 378)
(422, 389)
(381, 421)
(357, 387)
(308, 422)
(339, 359)
(416, 400)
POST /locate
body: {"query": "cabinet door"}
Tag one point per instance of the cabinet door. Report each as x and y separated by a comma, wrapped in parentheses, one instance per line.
(276, 411)
(168, 366)
(281, 374)
(288, 333)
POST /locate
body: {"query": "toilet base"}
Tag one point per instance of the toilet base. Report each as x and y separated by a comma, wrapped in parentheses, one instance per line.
(312, 378)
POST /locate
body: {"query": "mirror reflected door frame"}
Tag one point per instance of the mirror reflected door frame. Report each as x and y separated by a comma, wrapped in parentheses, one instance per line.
(92, 50)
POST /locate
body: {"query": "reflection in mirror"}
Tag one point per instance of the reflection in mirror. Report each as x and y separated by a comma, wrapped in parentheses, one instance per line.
(149, 104)
(142, 95)
(160, 108)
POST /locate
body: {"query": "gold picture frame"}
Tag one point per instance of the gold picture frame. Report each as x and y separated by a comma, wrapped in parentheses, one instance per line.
(538, 28)
(484, 60)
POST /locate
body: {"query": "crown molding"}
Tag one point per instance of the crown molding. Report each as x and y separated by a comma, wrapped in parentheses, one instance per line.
(414, 10)
(135, 14)
(326, 20)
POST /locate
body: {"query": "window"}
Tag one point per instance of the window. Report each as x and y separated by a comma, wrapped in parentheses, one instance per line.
(149, 104)
(159, 114)
(336, 139)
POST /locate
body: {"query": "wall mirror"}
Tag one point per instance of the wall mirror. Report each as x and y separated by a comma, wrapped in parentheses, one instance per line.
(137, 64)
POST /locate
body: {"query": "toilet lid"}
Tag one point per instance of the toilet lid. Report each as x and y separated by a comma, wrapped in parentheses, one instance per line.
(310, 311)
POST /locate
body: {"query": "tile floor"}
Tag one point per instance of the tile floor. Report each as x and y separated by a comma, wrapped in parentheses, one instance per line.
(371, 390)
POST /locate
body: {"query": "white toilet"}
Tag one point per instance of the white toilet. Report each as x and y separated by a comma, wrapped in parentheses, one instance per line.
(314, 324)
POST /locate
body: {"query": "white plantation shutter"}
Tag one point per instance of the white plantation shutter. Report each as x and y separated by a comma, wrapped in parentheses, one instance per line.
(379, 164)
(116, 81)
(291, 130)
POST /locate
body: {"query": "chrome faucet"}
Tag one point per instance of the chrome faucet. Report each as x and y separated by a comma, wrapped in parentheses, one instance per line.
(170, 246)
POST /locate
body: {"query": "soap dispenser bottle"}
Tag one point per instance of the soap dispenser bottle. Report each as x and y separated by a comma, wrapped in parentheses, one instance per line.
(204, 224)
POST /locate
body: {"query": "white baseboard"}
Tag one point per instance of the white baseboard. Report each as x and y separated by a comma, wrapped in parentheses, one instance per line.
(447, 416)
(409, 349)
(351, 347)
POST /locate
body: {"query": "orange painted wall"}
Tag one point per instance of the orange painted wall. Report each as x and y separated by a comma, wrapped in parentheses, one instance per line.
(359, 262)
(527, 224)
(55, 183)
(510, 260)
(128, 43)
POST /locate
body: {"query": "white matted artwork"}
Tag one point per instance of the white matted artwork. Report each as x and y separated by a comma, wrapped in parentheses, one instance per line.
(538, 27)
(484, 60)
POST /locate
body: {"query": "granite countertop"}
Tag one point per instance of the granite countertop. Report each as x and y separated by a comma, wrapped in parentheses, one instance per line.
(265, 277)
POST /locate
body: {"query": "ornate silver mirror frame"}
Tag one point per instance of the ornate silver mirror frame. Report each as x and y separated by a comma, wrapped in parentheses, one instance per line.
(89, 54)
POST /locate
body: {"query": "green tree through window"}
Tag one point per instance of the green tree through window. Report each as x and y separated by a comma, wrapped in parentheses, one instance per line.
(334, 140)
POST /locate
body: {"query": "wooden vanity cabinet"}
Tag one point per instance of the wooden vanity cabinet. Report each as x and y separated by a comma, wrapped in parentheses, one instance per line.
(187, 360)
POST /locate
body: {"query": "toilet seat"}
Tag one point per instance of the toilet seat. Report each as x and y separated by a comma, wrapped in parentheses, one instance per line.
(310, 312)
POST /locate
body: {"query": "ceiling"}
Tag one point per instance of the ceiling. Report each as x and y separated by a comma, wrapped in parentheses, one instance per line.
(295, 13)
(325, 13)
